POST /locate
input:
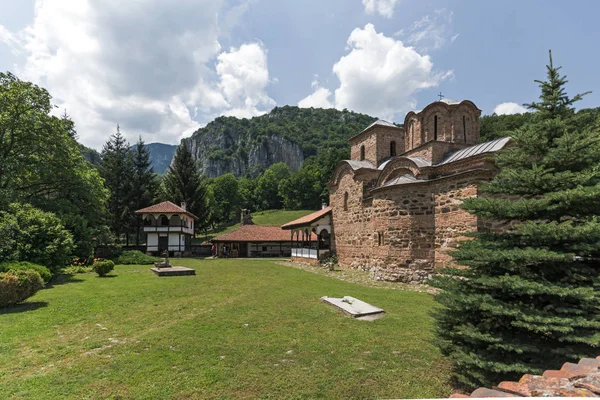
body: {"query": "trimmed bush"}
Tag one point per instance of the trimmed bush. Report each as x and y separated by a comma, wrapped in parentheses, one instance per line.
(44, 272)
(135, 257)
(103, 267)
(17, 286)
(76, 269)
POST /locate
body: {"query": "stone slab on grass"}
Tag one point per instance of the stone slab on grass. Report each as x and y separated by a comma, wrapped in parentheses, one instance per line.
(355, 308)
(173, 271)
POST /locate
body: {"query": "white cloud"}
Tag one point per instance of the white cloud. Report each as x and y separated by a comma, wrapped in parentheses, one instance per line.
(380, 76)
(244, 76)
(385, 8)
(509, 108)
(156, 69)
(431, 32)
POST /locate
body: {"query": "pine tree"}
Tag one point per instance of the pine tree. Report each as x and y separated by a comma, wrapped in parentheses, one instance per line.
(144, 183)
(117, 170)
(530, 297)
(183, 183)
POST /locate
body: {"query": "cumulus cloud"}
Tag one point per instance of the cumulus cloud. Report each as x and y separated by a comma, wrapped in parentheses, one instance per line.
(431, 32)
(379, 76)
(320, 98)
(156, 69)
(385, 8)
(509, 108)
(244, 76)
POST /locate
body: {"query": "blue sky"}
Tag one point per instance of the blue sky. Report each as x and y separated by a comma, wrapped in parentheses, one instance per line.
(161, 69)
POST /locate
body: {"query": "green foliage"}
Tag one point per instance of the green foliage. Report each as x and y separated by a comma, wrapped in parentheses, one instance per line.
(225, 198)
(183, 183)
(266, 192)
(135, 257)
(41, 162)
(44, 272)
(117, 169)
(37, 236)
(17, 286)
(102, 268)
(531, 294)
(144, 185)
(77, 269)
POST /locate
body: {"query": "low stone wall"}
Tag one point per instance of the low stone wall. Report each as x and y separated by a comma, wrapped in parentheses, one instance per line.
(311, 261)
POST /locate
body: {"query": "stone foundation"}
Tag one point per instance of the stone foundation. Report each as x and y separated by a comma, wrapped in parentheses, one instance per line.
(310, 261)
(417, 272)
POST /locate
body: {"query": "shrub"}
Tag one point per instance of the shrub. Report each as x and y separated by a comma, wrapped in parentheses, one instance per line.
(77, 269)
(34, 235)
(135, 257)
(329, 261)
(44, 272)
(103, 267)
(17, 286)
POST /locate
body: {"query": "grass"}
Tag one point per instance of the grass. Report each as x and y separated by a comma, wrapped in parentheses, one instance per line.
(238, 329)
(269, 218)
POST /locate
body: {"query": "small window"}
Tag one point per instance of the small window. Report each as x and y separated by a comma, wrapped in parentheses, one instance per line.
(362, 153)
(435, 126)
(465, 128)
(379, 238)
(392, 149)
(346, 201)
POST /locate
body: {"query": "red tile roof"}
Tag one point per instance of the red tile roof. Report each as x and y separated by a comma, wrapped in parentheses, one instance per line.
(257, 233)
(165, 207)
(572, 380)
(307, 219)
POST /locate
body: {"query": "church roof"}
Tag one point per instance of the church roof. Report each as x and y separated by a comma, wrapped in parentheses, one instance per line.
(355, 164)
(379, 122)
(450, 101)
(487, 147)
(166, 207)
(307, 219)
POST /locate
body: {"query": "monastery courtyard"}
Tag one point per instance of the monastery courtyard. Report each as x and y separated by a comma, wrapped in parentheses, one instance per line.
(239, 328)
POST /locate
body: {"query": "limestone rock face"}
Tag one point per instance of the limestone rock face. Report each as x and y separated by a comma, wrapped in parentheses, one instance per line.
(218, 152)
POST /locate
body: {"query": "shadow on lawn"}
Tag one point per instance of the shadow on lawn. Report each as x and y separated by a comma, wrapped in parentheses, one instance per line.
(23, 307)
(61, 279)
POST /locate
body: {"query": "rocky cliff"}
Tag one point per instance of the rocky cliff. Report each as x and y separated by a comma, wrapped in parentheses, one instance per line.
(221, 152)
(246, 147)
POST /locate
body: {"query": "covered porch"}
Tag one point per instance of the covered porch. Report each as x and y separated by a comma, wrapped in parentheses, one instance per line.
(311, 236)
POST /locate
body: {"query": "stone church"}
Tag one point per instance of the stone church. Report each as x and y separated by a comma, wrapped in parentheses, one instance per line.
(394, 206)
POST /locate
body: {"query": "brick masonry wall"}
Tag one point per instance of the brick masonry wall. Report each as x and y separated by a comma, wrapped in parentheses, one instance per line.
(377, 144)
(403, 233)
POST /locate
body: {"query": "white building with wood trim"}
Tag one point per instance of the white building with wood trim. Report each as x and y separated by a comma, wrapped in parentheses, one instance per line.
(168, 227)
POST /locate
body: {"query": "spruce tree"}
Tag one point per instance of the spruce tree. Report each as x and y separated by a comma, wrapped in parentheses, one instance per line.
(117, 170)
(144, 183)
(529, 299)
(184, 183)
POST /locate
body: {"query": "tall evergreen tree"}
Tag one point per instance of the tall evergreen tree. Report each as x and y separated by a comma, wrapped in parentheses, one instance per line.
(183, 183)
(530, 297)
(117, 170)
(144, 183)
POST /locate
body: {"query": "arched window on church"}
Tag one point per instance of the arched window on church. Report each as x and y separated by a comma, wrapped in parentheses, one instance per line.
(465, 128)
(362, 153)
(346, 201)
(435, 130)
(392, 149)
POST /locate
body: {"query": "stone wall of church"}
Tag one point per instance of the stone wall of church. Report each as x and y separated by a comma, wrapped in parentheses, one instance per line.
(404, 233)
(377, 144)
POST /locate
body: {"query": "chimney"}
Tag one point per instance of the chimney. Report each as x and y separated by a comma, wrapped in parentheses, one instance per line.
(184, 205)
(323, 206)
(246, 218)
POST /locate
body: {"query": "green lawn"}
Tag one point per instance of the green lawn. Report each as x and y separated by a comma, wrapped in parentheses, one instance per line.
(238, 329)
(269, 218)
